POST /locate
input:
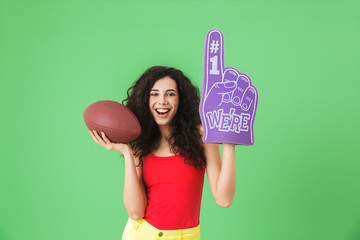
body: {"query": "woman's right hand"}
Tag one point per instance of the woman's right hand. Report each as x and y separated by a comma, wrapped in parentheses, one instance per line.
(105, 142)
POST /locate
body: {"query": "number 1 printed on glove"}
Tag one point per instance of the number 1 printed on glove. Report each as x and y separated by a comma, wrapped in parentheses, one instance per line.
(228, 100)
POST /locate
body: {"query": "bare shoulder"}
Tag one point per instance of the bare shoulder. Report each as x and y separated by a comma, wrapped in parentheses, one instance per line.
(137, 161)
(201, 129)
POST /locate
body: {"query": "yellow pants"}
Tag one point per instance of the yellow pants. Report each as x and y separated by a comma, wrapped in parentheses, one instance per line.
(142, 230)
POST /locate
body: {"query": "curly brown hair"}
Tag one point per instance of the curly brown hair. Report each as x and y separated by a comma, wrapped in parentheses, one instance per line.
(185, 134)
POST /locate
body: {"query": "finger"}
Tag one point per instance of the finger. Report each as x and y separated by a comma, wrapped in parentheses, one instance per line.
(249, 105)
(213, 59)
(100, 140)
(105, 138)
(243, 82)
(230, 74)
(93, 136)
(108, 143)
(223, 87)
(94, 133)
(249, 99)
(226, 98)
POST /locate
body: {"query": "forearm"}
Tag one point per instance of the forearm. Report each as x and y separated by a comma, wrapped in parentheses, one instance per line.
(134, 199)
(227, 178)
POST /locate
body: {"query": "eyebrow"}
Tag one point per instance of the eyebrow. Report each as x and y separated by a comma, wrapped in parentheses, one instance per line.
(168, 90)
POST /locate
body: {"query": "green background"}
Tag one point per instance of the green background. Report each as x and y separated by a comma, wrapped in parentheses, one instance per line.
(300, 180)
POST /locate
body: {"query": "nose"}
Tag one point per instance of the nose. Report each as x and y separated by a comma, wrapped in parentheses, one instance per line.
(162, 99)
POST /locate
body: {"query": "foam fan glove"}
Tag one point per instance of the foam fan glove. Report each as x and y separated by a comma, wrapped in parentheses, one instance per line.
(228, 99)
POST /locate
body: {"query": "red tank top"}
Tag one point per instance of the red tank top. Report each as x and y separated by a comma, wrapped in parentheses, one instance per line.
(174, 191)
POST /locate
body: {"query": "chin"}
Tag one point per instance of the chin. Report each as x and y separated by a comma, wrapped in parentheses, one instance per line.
(162, 123)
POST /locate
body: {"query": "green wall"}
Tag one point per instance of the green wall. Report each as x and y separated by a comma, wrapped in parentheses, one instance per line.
(299, 181)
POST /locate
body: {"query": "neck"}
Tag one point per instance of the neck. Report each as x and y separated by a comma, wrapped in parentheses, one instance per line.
(165, 132)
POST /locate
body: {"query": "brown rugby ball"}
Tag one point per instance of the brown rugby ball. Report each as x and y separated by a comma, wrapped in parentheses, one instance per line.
(119, 124)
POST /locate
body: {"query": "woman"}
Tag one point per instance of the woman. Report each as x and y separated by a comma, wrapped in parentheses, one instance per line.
(165, 165)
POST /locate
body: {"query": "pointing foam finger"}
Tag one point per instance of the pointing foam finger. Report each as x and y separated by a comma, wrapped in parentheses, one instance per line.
(213, 58)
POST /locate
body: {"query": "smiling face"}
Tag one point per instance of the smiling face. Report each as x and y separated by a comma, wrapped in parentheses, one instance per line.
(164, 100)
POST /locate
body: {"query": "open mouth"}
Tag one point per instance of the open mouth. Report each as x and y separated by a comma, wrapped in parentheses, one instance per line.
(162, 112)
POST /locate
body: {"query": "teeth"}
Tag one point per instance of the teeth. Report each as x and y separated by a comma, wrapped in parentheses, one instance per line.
(162, 110)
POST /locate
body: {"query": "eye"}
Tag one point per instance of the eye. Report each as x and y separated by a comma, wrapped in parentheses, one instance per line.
(154, 94)
(171, 94)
